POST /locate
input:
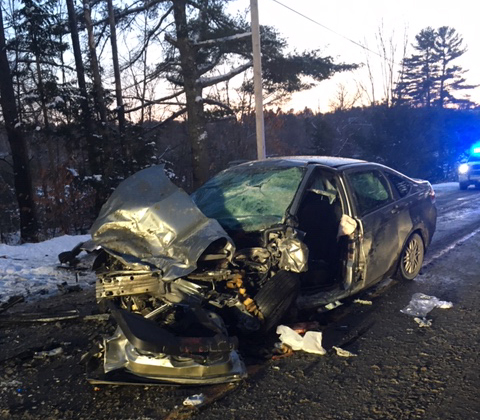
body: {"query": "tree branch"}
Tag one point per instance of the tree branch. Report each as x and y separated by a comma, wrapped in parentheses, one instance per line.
(210, 81)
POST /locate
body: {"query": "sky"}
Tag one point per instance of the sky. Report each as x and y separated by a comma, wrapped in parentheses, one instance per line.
(359, 21)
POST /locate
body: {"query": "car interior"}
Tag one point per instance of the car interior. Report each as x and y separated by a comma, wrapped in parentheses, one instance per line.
(319, 216)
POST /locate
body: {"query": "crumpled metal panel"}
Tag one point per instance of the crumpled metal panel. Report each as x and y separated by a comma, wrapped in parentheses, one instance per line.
(149, 221)
(294, 253)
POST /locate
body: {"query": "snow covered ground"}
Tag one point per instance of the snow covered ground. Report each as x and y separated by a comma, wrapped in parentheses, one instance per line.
(31, 270)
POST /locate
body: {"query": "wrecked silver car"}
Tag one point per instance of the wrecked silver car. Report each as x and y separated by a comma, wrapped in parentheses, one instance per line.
(184, 275)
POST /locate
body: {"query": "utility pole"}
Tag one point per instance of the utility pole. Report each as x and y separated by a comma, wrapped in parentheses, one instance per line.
(257, 79)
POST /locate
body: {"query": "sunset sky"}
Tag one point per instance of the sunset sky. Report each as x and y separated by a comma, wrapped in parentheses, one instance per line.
(359, 21)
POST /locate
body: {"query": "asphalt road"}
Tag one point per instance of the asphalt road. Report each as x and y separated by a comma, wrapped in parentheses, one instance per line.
(400, 371)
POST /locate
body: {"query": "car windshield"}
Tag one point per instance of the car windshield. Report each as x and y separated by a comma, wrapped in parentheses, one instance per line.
(249, 197)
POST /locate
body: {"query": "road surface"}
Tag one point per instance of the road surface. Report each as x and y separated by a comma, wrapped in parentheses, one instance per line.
(400, 371)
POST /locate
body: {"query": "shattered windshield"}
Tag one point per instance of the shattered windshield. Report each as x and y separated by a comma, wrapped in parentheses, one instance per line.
(249, 198)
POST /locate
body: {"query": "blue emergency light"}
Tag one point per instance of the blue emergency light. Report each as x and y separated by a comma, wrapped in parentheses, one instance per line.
(475, 149)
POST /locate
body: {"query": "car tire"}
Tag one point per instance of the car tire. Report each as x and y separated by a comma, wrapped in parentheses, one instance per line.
(463, 185)
(411, 258)
(276, 297)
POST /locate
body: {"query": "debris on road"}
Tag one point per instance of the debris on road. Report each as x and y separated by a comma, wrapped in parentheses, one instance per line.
(48, 353)
(66, 288)
(194, 400)
(363, 302)
(33, 317)
(311, 342)
(423, 322)
(332, 305)
(13, 300)
(420, 305)
(343, 353)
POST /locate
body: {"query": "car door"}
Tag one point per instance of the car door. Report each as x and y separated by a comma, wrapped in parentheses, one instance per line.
(377, 210)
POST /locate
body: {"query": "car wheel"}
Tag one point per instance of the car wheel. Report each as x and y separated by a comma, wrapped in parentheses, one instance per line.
(463, 185)
(276, 296)
(411, 259)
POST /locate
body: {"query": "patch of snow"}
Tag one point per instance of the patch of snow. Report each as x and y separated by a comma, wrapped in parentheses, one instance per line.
(37, 128)
(73, 171)
(202, 136)
(32, 269)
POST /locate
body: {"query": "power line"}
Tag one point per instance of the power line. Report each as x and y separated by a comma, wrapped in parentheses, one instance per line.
(333, 31)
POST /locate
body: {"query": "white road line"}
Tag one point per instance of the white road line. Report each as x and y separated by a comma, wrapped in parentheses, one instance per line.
(450, 247)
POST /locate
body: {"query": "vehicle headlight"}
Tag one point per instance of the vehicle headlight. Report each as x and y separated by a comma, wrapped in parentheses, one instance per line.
(463, 168)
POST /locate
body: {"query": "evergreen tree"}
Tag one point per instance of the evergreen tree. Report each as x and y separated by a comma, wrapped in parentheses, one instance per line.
(449, 46)
(206, 47)
(429, 77)
(38, 48)
(419, 83)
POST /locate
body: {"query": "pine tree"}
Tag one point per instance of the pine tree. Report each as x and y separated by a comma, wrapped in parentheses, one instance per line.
(205, 48)
(449, 46)
(429, 77)
(38, 49)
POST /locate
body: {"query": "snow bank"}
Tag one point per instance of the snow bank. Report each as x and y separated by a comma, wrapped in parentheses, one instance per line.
(32, 269)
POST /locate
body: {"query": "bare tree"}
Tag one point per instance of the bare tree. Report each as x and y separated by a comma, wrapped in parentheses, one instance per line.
(343, 100)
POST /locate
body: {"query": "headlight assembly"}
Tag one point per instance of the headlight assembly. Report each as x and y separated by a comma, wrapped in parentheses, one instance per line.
(463, 168)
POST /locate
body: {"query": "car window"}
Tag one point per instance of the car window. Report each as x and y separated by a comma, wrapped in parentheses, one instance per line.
(370, 189)
(249, 198)
(401, 185)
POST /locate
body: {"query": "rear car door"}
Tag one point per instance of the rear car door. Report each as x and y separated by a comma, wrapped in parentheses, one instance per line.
(382, 218)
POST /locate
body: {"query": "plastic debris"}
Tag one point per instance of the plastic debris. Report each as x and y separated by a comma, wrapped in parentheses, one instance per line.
(420, 305)
(311, 342)
(194, 400)
(343, 353)
(347, 225)
(363, 302)
(423, 322)
(48, 353)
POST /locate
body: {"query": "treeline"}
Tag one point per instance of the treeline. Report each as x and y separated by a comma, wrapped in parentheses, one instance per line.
(421, 142)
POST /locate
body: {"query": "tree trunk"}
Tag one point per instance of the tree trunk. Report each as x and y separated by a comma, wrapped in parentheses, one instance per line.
(104, 149)
(197, 132)
(18, 146)
(116, 68)
(97, 80)
(93, 155)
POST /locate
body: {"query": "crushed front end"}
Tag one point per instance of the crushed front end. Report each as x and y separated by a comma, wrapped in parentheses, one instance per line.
(177, 287)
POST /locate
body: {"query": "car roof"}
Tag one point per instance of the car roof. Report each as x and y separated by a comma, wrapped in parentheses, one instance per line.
(331, 161)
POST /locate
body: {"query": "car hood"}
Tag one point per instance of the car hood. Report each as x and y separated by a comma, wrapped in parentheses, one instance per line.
(148, 221)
